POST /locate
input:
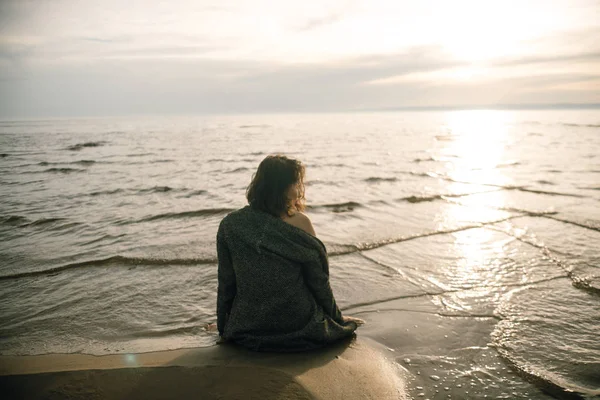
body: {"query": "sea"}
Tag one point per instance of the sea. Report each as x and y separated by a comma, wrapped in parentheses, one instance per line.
(468, 240)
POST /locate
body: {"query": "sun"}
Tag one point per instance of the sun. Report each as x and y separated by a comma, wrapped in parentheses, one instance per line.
(475, 31)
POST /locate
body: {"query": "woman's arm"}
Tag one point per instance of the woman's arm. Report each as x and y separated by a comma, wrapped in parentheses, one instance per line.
(226, 276)
(316, 276)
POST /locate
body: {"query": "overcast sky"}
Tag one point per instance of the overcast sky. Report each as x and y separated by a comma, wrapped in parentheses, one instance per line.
(119, 57)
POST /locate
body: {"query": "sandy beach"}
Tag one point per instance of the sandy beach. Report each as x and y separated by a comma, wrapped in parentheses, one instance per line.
(355, 369)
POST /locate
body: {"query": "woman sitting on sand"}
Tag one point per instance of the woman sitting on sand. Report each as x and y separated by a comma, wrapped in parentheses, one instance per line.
(274, 292)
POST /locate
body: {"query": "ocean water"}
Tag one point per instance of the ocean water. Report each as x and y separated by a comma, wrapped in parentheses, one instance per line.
(468, 240)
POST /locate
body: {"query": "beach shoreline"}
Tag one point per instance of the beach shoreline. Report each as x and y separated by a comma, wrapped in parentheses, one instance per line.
(346, 370)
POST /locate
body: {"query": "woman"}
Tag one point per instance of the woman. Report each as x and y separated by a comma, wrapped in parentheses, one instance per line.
(274, 292)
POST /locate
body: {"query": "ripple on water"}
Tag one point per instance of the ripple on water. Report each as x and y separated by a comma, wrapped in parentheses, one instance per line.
(550, 333)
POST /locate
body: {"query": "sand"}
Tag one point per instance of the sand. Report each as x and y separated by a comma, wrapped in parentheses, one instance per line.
(356, 369)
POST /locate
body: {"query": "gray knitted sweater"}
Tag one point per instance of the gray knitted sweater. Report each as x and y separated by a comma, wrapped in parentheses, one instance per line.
(274, 292)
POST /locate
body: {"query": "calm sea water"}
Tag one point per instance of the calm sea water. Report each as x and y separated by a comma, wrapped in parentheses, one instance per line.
(468, 240)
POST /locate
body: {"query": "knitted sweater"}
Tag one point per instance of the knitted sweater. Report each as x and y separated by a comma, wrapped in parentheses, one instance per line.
(274, 292)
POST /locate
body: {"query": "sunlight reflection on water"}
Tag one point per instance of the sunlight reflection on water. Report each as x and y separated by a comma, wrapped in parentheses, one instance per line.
(477, 140)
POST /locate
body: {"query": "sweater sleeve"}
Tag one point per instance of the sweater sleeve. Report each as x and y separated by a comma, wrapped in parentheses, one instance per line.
(316, 274)
(226, 281)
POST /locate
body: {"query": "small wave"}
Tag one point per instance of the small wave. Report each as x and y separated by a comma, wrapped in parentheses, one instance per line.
(419, 160)
(374, 179)
(509, 163)
(84, 162)
(254, 126)
(500, 165)
(421, 199)
(103, 238)
(581, 125)
(240, 169)
(103, 192)
(161, 161)
(14, 167)
(535, 134)
(589, 284)
(196, 193)
(63, 170)
(448, 157)
(334, 249)
(528, 213)
(23, 222)
(20, 183)
(188, 214)
(547, 382)
(505, 187)
(80, 146)
(524, 189)
(445, 138)
(545, 182)
(44, 221)
(339, 207)
(365, 246)
(140, 154)
(13, 220)
(156, 189)
(589, 187)
(3, 155)
(424, 174)
(583, 224)
(118, 260)
(80, 162)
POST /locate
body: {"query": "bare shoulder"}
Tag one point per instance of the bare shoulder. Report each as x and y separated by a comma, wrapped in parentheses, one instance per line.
(302, 221)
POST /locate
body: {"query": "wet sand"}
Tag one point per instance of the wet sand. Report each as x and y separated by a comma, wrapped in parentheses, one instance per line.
(349, 370)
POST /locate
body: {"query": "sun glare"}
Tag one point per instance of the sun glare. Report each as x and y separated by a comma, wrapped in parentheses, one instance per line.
(474, 143)
(476, 31)
(477, 141)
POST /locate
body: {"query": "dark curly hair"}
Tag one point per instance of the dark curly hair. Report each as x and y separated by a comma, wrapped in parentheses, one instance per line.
(268, 189)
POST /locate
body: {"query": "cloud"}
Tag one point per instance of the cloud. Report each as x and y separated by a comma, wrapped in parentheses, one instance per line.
(139, 86)
(315, 23)
(192, 57)
(76, 50)
(557, 58)
(94, 39)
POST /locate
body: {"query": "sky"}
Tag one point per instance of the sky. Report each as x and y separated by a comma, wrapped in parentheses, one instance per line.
(116, 57)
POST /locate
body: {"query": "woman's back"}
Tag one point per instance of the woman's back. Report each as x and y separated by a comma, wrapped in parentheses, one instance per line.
(274, 292)
(269, 286)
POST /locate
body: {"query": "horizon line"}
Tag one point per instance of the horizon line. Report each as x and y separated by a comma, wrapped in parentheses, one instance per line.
(491, 107)
(506, 106)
